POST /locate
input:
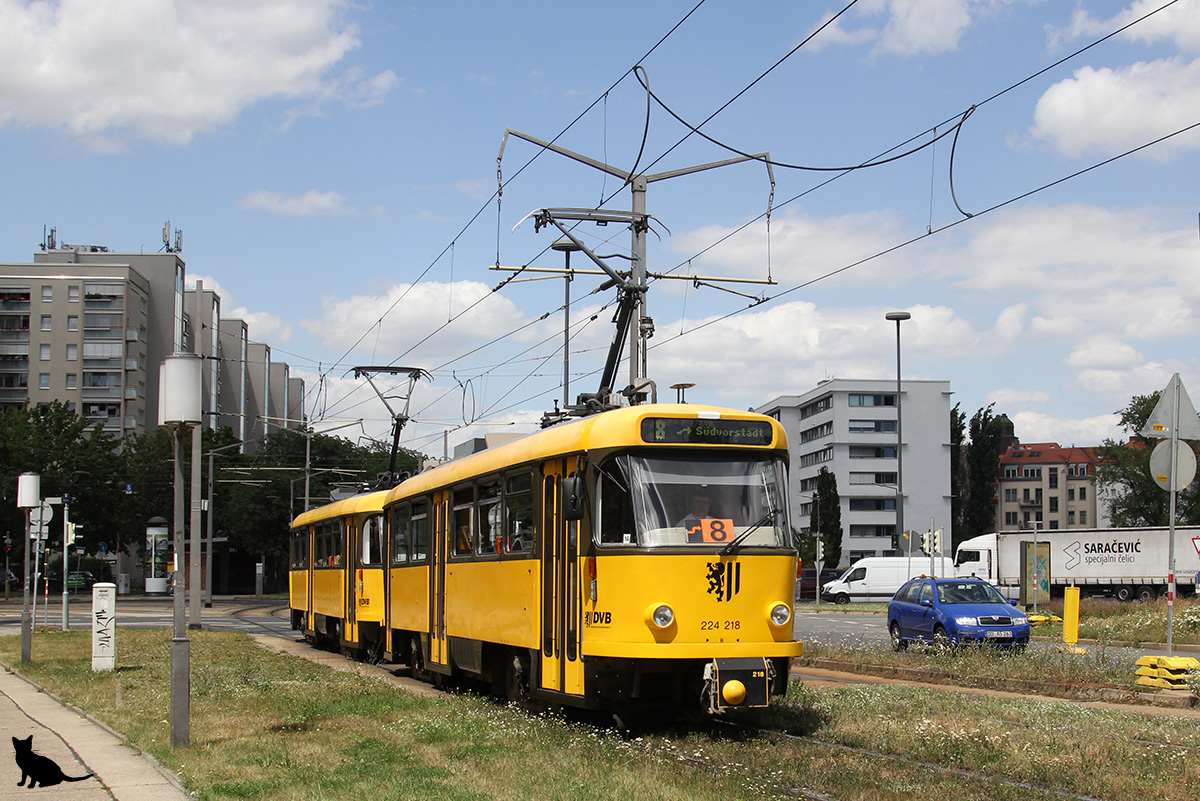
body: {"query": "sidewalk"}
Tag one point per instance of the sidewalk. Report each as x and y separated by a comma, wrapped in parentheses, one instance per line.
(79, 746)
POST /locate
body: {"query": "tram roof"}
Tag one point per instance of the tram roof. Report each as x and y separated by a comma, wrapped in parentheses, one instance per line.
(364, 502)
(615, 428)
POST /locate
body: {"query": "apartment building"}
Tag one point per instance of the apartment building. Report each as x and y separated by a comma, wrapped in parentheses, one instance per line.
(849, 427)
(79, 326)
(89, 327)
(1048, 486)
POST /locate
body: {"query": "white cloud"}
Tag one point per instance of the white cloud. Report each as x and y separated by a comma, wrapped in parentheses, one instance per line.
(834, 34)
(1006, 398)
(1104, 352)
(1177, 22)
(1109, 110)
(1139, 379)
(924, 26)
(1088, 432)
(795, 345)
(802, 247)
(913, 27)
(261, 326)
(1082, 269)
(107, 71)
(406, 315)
(309, 204)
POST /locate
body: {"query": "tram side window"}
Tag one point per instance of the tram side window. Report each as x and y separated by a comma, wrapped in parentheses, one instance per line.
(300, 549)
(518, 510)
(616, 510)
(401, 518)
(319, 547)
(329, 544)
(490, 529)
(372, 540)
(420, 531)
(461, 528)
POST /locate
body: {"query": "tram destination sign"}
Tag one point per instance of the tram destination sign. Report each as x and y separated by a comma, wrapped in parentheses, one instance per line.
(692, 431)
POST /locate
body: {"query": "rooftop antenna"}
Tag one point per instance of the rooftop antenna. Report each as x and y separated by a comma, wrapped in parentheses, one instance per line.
(391, 477)
(166, 236)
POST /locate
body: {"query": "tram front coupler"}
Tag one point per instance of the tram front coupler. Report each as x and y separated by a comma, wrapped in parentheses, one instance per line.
(737, 683)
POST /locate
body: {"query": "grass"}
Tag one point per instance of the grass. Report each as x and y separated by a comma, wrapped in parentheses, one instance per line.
(1052, 671)
(270, 726)
(1058, 746)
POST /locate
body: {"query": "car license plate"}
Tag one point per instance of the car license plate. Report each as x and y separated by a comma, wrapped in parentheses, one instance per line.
(999, 635)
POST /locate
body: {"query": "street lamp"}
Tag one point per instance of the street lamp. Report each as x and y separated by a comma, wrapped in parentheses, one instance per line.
(899, 317)
(566, 246)
(179, 402)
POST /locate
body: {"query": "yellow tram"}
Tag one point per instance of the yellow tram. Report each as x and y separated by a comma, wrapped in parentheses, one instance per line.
(637, 558)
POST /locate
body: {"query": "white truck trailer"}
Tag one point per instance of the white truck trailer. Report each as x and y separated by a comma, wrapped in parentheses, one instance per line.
(1126, 563)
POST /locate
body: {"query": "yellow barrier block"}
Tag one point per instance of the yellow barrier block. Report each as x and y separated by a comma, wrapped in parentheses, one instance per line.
(1162, 673)
(1148, 681)
(1169, 662)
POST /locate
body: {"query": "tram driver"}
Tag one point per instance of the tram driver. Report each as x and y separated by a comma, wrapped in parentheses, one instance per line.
(698, 509)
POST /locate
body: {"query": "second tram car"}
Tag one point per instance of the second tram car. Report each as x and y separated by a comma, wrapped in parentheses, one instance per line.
(633, 559)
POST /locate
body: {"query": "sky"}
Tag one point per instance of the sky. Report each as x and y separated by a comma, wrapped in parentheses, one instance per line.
(1029, 192)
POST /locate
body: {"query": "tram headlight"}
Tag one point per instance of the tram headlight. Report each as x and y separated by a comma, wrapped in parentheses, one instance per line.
(663, 616)
(780, 614)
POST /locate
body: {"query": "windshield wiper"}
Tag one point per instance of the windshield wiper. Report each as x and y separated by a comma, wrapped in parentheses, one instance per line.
(734, 546)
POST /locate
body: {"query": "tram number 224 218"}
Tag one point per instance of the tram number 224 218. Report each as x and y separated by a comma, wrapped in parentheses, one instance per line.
(720, 625)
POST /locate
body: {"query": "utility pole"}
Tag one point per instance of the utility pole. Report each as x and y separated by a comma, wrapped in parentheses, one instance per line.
(642, 327)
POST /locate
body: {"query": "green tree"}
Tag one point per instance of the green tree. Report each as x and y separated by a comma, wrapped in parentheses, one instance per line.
(827, 516)
(260, 494)
(983, 465)
(75, 458)
(958, 474)
(1124, 480)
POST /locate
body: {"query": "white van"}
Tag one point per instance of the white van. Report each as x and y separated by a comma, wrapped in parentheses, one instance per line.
(877, 578)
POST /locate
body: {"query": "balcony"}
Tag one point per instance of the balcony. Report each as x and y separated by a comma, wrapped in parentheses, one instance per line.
(92, 393)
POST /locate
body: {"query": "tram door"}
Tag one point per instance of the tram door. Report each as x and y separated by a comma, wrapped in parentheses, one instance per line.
(440, 510)
(310, 622)
(353, 573)
(562, 666)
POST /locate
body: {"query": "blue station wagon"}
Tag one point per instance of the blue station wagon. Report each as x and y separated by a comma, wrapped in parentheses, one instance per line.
(953, 612)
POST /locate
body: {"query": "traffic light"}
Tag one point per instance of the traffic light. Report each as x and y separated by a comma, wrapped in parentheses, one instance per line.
(927, 542)
(937, 541)
(70, 533)
(820, 550)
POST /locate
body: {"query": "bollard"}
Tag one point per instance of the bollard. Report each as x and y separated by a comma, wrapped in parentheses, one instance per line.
(1071, 615)
(104, 626)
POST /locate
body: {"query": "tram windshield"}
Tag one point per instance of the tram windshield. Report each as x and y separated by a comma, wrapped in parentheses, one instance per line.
(693, 500)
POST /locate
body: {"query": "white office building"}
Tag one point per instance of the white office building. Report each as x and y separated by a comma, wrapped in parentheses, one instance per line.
(849, 427)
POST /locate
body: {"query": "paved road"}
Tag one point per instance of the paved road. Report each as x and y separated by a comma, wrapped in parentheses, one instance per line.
(858, 630)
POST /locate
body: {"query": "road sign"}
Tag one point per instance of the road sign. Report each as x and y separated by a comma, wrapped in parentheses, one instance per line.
(1159, 424)
(41, 515)
(1160, 464)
